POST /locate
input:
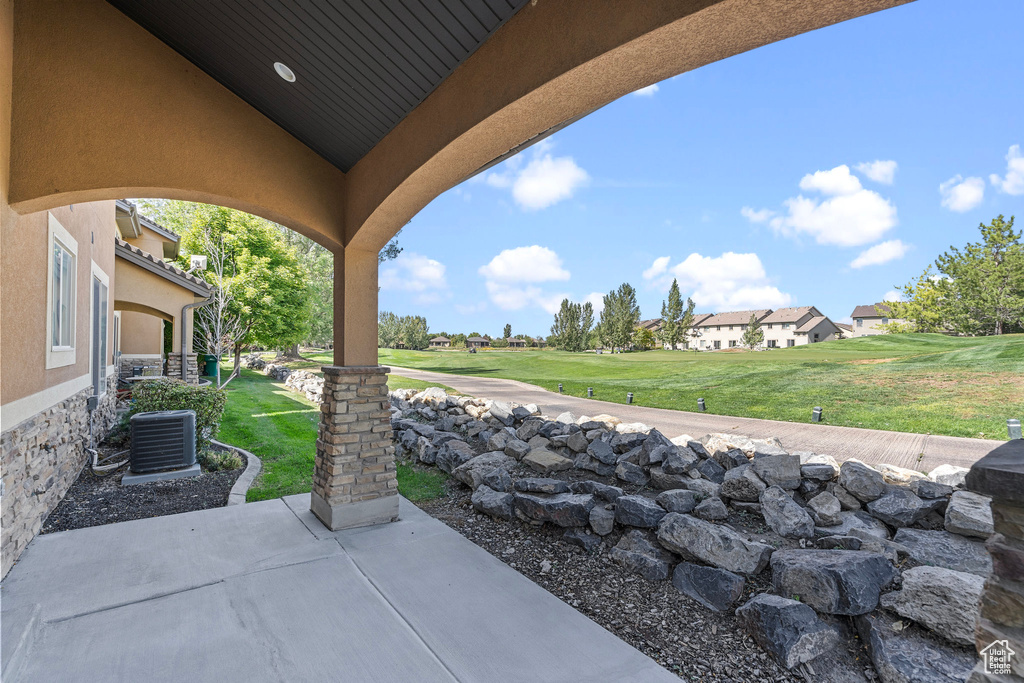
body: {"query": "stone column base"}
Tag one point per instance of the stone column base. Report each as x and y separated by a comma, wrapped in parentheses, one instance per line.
(354, 480)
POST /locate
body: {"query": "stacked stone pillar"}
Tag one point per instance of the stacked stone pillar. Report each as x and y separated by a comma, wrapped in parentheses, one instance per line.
(1000, 628)
(174, 367)
(354, 480)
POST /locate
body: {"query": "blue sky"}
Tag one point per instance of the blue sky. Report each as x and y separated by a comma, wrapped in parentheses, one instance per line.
(753, 180)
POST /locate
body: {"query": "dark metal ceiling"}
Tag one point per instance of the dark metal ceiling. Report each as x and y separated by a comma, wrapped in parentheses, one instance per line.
(360, 65)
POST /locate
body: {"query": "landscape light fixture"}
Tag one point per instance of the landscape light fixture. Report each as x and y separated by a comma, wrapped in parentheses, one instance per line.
(700, 405)
(590, 392)
(284, 72)
(1013, 427)
(559, 387)
(629, 397)
(816, 414)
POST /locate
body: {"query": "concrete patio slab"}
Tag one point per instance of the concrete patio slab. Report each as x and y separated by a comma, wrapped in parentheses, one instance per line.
(252, 593)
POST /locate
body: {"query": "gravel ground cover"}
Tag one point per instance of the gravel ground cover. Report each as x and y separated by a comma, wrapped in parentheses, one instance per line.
(94, 500)
(681, 635)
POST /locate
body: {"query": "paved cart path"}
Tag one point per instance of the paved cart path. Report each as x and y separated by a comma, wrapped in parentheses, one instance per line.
(916, 451)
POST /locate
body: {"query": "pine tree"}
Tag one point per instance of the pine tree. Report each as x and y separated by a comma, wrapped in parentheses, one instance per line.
(671, 313)
(753, 336)
(619, 317)
(508, 331)
(686, 321)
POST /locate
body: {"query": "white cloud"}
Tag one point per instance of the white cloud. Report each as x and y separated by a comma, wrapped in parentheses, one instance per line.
(596, 300)
(648, 91)
(469, 309)
(525, 264)
(659, 266)
(511, 278)
(962, 194)
(1013, 183)
(849, 216)
(727, 282)
(422, 276)
(880, 253)
(753, 216)
(892, 295)
(878, 171)
(544, 181)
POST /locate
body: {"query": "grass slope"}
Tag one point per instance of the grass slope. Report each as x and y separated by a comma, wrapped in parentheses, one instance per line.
(923, 383)
(280, 426)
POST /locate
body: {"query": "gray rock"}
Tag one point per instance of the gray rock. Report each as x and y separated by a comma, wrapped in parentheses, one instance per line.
(854, 519)
(741, 483)
(901, 657)
(625, 442)
(942, 600)
(494, 503)
(784, 515)
(789, 630)
(712, 544)
(561, 509)
(838, 543)
(638, 552)
(679, 500)
(950, 475)
(819, 471)
(472, 472)
(731, 458)
(560, 441)
(712, 509)
(602, 452)
(825, 509)
(969, 514)
(679, 460)
(664, 481)
(520, 413)
(585, 462)
(498, 479)
(717, 589)
(943, 549)
(767, 447)
(578, 443)
(517, 449)
(551, 429)
(711, 470)
(499, 440)
(538, 441)
(632, 455)
(441, 438)
(899, 476)
(900, 507)
(633, 474)
(602, 491)
(453, 454)
(778, 470)
(545, 462)
(864, 483)
(706, 488)
(529, 429)
(581, 538)
(832, 581)
(926, 488)
(566, 418)
(542, 485)
(602, 520)
(847, 501)
(638, 511)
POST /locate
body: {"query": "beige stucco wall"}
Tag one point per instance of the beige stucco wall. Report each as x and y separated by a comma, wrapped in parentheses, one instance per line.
(149, 242)
(141, 334)
(870, 327)
(143, 292)
(25, 255)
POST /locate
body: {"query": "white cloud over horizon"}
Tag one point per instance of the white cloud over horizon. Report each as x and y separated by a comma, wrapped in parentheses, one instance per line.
(596, 300)
(883, 172)
(728, 282)
(892, 295)
(512, 278)
(882, 252)
(543, 181)
(1013, 182)
(961, 194)
(848, 216)
(648, 91)
(419, 275)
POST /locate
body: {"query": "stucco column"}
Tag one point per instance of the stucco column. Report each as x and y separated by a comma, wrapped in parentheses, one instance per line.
(1000, 475)
(354, 480)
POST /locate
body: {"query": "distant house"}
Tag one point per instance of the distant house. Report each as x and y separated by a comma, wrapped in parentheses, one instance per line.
(655, 325)
(477, 342)
(868, 319)
(516, 343)
(724, 330)
(846, 329)
(540, 342)
(440, 343)
(796, 327)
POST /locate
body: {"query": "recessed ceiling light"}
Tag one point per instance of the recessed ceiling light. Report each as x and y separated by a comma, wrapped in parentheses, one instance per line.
(284, 72)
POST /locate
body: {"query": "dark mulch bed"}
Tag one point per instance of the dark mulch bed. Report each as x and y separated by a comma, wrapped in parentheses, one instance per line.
(93, 500)
(684, 637)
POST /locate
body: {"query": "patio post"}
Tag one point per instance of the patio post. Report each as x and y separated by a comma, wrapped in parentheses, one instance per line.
(354, 480)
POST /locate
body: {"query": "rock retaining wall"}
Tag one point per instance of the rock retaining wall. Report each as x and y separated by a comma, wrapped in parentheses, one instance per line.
(897, 553)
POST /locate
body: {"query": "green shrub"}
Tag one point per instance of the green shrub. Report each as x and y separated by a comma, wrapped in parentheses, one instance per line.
(207, 402)
(120, 433)
(214, 461)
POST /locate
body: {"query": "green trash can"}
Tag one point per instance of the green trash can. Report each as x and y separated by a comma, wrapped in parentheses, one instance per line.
(209, 362)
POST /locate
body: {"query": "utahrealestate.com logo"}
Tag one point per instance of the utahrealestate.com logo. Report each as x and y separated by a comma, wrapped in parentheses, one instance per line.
(997, 658)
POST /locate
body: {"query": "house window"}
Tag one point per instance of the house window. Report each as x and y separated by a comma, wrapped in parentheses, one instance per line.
(815, 336)
(718, 344)
(732, 343)
(730, 328)
(860, 322)
(885, 321)
(772, 344)
(61, 295)
(785, 326)
(99, 332)
(769, 326)
(718, 327)
(790, 342)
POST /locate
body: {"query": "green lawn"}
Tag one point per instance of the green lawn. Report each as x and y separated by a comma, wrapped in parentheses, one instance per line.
(279, 426)
(923, 383)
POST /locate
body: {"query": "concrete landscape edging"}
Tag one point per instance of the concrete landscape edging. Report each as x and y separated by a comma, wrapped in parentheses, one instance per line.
(242, 484)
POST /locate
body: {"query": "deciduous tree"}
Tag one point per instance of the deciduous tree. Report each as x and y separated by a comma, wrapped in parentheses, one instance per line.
(753, 336)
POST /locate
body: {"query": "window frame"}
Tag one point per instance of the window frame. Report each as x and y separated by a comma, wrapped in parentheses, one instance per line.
(60, 355)
(98, 357)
